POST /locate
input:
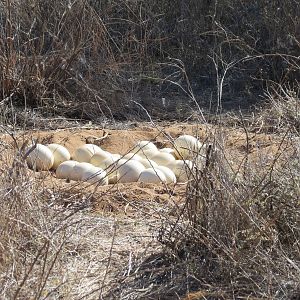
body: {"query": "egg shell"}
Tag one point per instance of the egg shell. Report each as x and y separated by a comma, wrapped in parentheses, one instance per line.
(116, 156)
(163, 159)
(168, 150)
(60, 154)
(108, 162)
(148, 163)
(79, 169)
(148, 154)
(187, 147)
(132, 156)
(145, 146)
(152, 175)
(96, 176)
(110, 165)
(129, 171)
(85, 152)
(169, 174)
(40, 158)
(182, 169)
(99, 157)
(65, 169)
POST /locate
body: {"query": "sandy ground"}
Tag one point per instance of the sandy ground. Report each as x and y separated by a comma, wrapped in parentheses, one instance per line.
(129, 215)
(121, 141)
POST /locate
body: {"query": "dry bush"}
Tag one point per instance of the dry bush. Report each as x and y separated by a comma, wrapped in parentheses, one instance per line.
(238, 233)
(281, 111)
(207, 36)
(53, 57)
(83, 59)
(51, 246)
(236, 236)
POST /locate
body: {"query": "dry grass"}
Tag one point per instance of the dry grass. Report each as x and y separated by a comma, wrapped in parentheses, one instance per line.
(85, 59)
(281, 111)
(237, 233)
(52, 244)
(236, 236)
(50, 55)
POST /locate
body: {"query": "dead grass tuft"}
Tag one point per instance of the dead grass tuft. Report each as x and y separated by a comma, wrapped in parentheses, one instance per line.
(236, 236)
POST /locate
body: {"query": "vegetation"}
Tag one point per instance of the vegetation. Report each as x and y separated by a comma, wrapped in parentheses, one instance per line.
(89, 58)
(237, 234)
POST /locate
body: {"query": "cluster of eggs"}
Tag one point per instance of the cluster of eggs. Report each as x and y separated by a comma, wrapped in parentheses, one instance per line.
(145, 163)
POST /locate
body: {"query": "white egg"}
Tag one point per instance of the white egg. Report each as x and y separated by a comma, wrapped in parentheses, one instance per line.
(116, 156)
(187, 147)
(145, 146)
(152, 176)
(108, 162)
(163, 159)
(65, 169)
(79, 169)
(60, 154)
(168, 150)
(148, 163)
(96, 176)
(40, 158)
(129, 171)
(182, 169)
(110, 165)
(132, 156)
(113, 174)
(99, 157)
(169, 174)
(85, 152)
(147, 154)
(121, 162)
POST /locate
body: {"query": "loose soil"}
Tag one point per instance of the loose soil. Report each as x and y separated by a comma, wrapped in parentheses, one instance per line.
(134, 212)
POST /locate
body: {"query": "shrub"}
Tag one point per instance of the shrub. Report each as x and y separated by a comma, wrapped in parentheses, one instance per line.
(83, 59)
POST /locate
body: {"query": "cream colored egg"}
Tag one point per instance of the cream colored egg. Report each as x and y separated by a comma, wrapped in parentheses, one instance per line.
(152, 176)
(169, 174)
(148, 163)
(187, 147)
(60, 154)
(121, 162)
(96, 176)
(132, 156)
(148, 154)
(79, 169)
(40, 158)
(110, 165)
(116, 156)
(182, 169)
(108, 162)
(169, 150)
(85, 152)
(99, 157)
(163, 159)
(129, 171)
(145, 146)
(112, 170)
(65, 169)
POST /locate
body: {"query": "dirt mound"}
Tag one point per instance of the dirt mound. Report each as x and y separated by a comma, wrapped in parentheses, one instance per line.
(238, 147)
(235, 143)
(138, 199)
(121, 141)
(124, 220)
(117, 141)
